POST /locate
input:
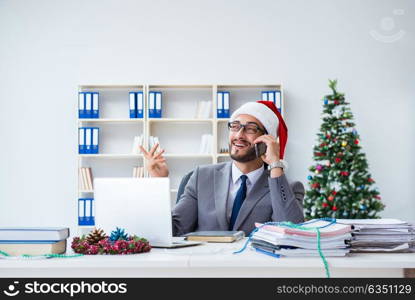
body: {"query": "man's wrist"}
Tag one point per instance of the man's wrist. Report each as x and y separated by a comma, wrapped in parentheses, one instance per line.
(276, 172)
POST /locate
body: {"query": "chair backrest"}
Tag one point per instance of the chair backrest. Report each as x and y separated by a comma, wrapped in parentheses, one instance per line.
(296, 185)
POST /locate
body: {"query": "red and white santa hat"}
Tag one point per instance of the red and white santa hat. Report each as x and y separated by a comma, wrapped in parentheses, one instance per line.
(267, 113)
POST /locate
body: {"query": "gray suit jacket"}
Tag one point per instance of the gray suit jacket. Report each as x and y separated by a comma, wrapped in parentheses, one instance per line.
(202, 206)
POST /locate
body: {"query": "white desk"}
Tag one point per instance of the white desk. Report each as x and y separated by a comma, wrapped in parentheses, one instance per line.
(210, 260)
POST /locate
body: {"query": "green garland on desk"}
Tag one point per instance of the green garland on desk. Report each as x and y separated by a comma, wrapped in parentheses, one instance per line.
(301, 227)
(27, 256)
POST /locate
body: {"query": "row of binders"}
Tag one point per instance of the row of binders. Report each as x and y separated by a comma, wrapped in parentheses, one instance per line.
(223, 100)
(86, 179)
(86, 212)
(88, 106)
(88, 140)
(273, 96)
(136, 105)
(154, 105)
(223, 105)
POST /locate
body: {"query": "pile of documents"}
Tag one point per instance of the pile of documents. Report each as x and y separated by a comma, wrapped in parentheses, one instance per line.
(381, 235)
(293, 241)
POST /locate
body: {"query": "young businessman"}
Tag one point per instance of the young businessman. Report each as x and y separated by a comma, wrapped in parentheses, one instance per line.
(234, 195)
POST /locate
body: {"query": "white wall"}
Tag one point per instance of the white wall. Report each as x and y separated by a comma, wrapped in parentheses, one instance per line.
(49, 47)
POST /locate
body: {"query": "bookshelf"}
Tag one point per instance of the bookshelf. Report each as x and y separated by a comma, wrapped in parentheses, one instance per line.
(178, 130)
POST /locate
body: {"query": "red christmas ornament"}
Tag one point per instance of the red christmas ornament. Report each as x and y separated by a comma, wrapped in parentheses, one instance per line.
(370, 180)
(324, 204)
(338, 160)
(336, 102)
(334, 193)
(356, 141)
(315, 185)
(330, 198)
(334, 208)
(344, 173)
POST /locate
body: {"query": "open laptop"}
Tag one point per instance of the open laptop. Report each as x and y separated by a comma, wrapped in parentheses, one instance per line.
(141, 206)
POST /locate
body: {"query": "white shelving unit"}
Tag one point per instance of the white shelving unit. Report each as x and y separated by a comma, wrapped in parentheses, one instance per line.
(178, 130)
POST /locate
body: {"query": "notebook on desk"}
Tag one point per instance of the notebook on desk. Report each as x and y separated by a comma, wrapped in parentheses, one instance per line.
(141, 206)
(215, 236)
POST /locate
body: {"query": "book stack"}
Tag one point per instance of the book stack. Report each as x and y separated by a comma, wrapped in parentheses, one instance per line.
(86, 179)
(278, 240)
(138, 172)
(33, 240)
(215, 236)
(206, 144)
(203, 110)
(138, 141)
(381, 235)
(152, 140)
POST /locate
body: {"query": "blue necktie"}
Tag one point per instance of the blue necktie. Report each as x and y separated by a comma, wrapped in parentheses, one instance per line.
(239, 199)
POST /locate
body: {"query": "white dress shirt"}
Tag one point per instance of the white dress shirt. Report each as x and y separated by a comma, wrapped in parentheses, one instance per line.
(235, 183)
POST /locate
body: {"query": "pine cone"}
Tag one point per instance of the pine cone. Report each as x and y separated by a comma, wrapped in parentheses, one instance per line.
(95, 236)
(118, 234)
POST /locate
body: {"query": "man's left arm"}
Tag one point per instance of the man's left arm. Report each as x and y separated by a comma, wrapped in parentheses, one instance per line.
(285, 205)
(285, 202)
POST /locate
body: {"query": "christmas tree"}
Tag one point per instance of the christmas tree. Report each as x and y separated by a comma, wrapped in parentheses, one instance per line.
(340, 184)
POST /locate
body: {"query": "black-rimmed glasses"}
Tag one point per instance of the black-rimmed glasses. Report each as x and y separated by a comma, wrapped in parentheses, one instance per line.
(250, 127)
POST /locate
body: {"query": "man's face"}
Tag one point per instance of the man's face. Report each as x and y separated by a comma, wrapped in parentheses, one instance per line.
(241, 142)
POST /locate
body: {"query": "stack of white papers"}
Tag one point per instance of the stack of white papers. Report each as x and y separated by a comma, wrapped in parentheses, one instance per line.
(203, 110)
(206, 144)
(282, 240)
(381, 235)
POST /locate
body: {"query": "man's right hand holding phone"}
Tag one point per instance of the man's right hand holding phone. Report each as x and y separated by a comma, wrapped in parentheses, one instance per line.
(156, 163)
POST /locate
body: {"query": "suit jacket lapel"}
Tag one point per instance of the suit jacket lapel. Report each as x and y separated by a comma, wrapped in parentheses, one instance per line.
(258, 191)
(221, 187)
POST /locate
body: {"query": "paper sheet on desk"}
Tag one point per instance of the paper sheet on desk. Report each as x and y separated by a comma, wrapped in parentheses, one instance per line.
(371, 221)
(392, 249)
(208, 250)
